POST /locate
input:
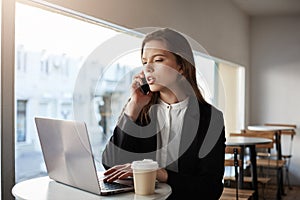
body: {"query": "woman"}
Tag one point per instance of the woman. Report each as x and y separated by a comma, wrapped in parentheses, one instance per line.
(171, 124)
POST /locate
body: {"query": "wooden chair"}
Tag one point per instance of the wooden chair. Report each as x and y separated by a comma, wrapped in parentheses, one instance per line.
(263, 150)
(230, 194)
(267, 160)
(263, 180)
(288, 155)
(235, 161)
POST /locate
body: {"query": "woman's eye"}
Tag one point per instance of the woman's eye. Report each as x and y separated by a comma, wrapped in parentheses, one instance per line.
(158, 60)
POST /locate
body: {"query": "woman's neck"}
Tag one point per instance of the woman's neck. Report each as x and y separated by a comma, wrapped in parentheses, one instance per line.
(169, 97)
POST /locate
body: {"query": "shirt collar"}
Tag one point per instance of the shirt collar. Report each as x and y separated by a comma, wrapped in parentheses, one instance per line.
(179, 105)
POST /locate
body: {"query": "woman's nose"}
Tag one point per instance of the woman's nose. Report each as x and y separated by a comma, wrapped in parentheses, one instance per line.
(148, 67)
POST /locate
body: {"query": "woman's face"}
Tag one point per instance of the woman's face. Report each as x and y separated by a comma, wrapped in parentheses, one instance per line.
(160, 67)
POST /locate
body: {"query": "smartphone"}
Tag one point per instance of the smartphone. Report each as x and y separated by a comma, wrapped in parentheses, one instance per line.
(145, 87)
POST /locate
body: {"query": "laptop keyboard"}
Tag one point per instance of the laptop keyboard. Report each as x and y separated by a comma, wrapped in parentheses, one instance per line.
(111, 186)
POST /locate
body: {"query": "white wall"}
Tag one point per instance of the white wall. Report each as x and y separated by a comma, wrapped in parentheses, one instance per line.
(275, 76)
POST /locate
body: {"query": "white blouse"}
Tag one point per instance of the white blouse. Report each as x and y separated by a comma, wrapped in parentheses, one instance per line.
(170, 121)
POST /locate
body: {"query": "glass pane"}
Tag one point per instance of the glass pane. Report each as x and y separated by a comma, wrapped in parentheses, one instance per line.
(50, 51)
(231, 91)
(223, 85)
(206, 77)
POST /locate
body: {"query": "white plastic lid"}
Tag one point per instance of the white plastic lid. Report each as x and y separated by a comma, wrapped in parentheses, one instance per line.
(146, 164)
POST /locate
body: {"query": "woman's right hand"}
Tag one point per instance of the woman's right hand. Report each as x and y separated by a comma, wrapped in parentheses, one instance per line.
(118, 172)
(138, 100)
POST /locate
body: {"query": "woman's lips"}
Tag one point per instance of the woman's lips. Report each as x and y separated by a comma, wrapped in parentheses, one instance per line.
(150, 80)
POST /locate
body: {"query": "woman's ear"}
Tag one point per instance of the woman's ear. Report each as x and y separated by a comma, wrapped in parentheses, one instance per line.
(180, 74)
(180, 70)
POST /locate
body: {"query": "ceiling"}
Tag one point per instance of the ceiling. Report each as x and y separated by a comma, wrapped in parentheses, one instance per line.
(269, 7)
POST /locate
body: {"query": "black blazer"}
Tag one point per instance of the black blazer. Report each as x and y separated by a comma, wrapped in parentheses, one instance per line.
(202, 150)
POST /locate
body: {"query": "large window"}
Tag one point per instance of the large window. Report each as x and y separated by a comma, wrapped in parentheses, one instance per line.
(52, 50)
(223, 85)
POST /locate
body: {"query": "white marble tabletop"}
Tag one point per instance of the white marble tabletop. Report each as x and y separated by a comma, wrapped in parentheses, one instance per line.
(44, 188)
(240, 140)
(268, 128)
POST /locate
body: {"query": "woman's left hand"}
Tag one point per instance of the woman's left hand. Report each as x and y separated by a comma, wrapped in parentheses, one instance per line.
(124, 171)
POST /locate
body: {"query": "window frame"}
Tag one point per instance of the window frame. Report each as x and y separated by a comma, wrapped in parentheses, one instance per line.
(7, 100)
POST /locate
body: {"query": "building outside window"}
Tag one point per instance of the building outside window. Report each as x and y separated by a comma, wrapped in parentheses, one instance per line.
(21, 120)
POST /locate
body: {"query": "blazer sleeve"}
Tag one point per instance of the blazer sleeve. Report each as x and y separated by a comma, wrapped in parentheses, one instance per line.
(130, 141)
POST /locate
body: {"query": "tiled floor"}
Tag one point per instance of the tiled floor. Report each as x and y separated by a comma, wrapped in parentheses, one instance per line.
(293, 194)
(270, 193)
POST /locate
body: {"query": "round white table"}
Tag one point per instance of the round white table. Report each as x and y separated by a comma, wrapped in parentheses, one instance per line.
(240, 140)
(269, 128)
(249, 142)
(44, 188)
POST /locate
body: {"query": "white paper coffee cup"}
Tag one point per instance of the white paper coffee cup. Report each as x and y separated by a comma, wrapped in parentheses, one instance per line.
(144, 176)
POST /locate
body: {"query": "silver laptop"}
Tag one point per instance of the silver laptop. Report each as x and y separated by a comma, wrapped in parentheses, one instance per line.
(69, 159)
